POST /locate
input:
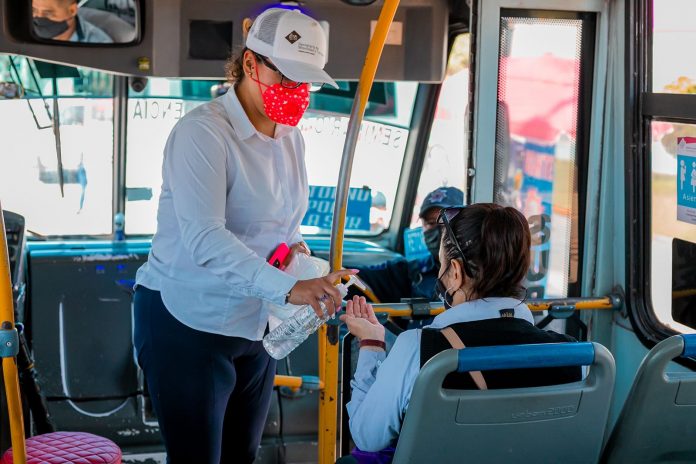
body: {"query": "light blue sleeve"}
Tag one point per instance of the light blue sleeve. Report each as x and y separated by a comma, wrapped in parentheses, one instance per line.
(381, 391)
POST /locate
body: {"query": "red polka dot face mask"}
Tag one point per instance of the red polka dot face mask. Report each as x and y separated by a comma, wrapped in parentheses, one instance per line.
(283, 105)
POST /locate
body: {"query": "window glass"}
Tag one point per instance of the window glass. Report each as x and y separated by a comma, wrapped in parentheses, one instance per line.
(379, 154)
(152, 114)
(376, 168)
(673, 238)
(29, 167)
(445, 160)
(536, 168)
(674, 30)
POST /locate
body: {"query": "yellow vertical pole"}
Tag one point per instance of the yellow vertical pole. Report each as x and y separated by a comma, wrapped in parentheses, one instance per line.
(328, 336)
(9, 365)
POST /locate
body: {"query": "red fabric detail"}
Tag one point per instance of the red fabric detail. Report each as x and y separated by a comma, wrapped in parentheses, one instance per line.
(284, 106)
(68, 448)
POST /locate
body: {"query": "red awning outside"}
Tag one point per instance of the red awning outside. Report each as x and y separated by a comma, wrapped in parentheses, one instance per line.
(541, 95)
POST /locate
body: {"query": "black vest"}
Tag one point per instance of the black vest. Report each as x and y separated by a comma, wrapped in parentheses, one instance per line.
(500, 331)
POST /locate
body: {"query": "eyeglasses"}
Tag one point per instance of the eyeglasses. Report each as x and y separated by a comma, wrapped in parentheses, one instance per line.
(284, 81)
(447, 215)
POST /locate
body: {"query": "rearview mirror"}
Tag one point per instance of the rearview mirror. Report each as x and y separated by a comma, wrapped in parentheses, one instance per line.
(10, 90)
(85, 21)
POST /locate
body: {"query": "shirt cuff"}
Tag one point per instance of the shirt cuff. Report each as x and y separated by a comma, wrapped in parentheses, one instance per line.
(276, 282)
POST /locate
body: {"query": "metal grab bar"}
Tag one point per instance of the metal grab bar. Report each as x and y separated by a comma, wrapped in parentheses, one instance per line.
(328, 335)
(612, 301)
(306, 382)
(9, 364)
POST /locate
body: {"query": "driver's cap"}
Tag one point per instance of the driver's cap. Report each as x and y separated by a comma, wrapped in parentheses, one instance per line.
(295, 43)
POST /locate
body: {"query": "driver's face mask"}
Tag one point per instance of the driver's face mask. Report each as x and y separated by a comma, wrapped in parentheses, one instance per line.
(432, 241)
(47, 29)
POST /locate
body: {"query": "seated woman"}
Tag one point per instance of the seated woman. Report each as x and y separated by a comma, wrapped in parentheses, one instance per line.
(485, 256)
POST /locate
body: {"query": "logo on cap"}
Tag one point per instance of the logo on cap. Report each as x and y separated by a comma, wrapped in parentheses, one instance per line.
(438, 195)
(293, 37)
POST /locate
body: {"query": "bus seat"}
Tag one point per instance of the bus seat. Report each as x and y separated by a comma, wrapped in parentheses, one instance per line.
(116, 28)
(558, 423)
(68, 447)
(658, 419)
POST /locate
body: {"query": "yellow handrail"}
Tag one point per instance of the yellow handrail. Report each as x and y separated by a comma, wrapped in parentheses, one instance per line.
(686, 293)
(328, 352)
(9, 365)
(607, 302)
(292, 382)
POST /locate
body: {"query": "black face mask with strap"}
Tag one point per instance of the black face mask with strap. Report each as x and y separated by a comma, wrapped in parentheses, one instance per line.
(441, 290)
(48, 29)
(432, 241)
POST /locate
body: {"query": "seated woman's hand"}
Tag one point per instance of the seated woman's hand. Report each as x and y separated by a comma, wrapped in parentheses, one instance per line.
(361, 320)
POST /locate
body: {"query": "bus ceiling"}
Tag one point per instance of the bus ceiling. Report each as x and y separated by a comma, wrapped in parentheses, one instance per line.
(166, 38)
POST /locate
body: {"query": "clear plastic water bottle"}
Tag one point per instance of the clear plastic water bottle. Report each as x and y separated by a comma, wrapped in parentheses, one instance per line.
(293, 331)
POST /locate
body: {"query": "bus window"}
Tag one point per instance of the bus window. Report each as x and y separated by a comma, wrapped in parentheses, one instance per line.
(539, 132)
(152, 113)
(673, 232)
(29, 180)
(378, 158)
(672, 70)
(379, 153)
(446, 157)
(672, 168)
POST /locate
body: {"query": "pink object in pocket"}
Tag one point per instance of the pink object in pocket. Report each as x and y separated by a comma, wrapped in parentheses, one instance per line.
(280, 256)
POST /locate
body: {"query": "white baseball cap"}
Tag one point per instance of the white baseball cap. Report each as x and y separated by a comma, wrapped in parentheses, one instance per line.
(295, 43)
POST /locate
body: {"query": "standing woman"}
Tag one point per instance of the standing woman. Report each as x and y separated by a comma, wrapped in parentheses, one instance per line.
(234, 187)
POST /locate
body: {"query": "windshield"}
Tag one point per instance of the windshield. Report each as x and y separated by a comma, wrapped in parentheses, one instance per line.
(29, 163)
(379, 153)
(29, 180)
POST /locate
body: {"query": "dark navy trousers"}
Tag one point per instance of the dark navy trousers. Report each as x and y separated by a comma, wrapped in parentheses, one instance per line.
(211, 393)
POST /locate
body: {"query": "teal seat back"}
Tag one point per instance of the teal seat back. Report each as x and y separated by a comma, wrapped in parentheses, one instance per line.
(658, 419)
(560, 423)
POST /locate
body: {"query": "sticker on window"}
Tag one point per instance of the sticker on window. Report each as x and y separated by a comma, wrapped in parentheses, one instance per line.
(415, 248)
(686, 180)
(321, 205)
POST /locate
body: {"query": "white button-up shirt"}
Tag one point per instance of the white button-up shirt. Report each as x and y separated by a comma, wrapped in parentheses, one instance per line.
(230, 196)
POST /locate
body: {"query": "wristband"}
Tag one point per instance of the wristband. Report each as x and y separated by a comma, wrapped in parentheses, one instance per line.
(377, 343)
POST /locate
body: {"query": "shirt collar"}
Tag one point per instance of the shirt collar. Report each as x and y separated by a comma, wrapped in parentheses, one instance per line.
(78, 35)
(241, 122)
(478, 310)
(238, 117)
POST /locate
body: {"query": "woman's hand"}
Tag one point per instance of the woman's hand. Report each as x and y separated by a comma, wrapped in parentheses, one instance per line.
(312, 291)
(361, 320)
(299, 247)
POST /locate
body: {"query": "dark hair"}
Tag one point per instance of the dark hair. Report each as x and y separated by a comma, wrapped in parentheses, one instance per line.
(234, 67)
(496, 242)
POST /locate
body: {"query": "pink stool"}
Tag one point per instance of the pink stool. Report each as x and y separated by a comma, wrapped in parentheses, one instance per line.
(68, 448)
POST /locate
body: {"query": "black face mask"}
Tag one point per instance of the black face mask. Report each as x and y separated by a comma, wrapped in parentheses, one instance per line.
(442, 292)
(48, 29)
(432, 241)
